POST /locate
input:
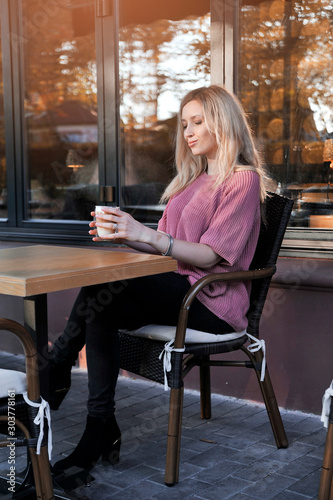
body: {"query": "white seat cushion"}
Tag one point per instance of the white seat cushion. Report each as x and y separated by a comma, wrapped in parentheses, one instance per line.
(12, 380)
(167, 333)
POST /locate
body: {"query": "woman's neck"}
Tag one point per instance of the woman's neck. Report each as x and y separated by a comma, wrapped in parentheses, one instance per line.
(212, 168)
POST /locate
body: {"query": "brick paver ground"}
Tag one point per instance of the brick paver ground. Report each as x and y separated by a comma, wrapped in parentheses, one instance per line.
(231, 456)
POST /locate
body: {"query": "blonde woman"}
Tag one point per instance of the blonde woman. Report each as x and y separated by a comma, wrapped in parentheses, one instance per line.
(210, 224)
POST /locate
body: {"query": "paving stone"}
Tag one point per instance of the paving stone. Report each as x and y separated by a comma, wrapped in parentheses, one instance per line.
(241, 441)
(289, 495)
(294, 451)
(253, 453)
(240, 496)
(222, 489)
(142, 491)
(309, 425)
(269, 486)
(316, 438)
(215, 474)
(301, 467)
(259, 470)
(309, 484)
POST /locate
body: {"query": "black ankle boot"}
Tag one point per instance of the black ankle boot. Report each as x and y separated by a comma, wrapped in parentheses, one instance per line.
(112, 436)
(59, 382)
(101, 437)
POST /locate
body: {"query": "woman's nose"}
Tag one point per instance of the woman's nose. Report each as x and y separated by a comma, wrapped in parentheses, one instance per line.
(188, 131)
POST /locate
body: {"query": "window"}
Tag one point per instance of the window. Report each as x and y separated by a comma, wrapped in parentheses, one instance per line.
(164, 51)
(90, 90)
(285, 82)
(60, 109)
(94, 89)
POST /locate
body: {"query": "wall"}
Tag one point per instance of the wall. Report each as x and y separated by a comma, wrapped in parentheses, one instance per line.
(297, 328)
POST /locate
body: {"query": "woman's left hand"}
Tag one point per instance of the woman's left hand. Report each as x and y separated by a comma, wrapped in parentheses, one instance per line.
(122, 226)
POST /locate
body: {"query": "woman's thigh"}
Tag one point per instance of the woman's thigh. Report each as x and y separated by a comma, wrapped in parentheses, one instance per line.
(133, 303)
(151, 299)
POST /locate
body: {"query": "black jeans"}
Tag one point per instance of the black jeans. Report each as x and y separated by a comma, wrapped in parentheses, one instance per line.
(99, 311)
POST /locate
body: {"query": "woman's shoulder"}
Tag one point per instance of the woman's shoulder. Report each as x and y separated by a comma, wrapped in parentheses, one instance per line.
(244, 176)
(246, 170)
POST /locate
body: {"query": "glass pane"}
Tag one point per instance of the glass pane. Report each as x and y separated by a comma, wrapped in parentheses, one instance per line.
(60, 104)
(164, 51)
(285, 81)
(3, 177)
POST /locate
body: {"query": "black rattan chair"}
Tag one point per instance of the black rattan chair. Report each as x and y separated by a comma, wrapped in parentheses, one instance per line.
(140, 355)
(17, 415)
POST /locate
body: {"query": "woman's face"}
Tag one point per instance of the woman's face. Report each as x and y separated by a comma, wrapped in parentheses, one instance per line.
(196, 134)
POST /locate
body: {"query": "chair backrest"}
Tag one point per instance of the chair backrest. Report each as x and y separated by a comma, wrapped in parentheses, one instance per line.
(277, 211)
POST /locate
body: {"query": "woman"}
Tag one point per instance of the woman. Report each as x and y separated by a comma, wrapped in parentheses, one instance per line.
(210, 224)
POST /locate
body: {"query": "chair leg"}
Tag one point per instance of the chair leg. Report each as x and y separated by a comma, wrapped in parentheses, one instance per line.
(42, 474)
(205, 390)
(326, 478)
(37, 474)
(331, 490)
(45, 472)
(174, 436)
(272, 407)
(273, 411)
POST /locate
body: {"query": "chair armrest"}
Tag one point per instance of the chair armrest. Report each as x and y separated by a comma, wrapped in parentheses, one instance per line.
(31, 357)
(207, 280)
(219, 277)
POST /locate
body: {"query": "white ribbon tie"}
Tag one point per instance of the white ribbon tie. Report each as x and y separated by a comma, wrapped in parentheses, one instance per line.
(44, 411)
(166, 355)
(327, 405)
(256, 345)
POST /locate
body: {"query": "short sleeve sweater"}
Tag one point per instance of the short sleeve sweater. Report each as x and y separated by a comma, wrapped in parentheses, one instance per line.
(228, 220)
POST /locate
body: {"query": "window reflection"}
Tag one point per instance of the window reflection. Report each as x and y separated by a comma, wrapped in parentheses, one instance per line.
(286, 83)
(60, 104)
(3, 181)
(164, 51)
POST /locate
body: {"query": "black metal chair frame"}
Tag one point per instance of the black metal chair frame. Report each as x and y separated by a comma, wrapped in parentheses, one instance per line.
(37, 475)
(141, 355)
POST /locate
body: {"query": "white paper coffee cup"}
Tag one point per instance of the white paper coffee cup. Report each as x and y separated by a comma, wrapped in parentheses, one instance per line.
(102, 232)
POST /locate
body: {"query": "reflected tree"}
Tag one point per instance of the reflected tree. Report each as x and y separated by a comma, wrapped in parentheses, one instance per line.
(286, 80)
(59, 57)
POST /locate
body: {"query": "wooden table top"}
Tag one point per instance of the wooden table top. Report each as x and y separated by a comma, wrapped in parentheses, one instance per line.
(37, 269)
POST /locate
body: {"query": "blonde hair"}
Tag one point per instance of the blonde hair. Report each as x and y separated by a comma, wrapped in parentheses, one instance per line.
(226, 120)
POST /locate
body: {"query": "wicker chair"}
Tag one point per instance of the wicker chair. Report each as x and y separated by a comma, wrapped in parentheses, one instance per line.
(140, 354)
(19, 411)
(326, 478)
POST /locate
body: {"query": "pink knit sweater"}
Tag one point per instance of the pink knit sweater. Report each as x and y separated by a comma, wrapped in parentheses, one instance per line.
(228, 220)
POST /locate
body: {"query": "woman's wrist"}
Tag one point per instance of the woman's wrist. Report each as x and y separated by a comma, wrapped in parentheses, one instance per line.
(161, 241)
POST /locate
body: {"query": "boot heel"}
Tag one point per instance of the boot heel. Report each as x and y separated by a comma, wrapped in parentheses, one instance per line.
(111, 455)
